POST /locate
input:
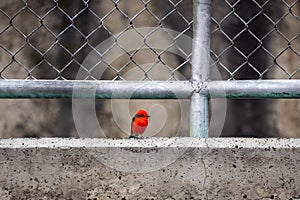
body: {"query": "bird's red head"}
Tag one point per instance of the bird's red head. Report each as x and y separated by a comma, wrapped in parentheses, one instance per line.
(142, 113)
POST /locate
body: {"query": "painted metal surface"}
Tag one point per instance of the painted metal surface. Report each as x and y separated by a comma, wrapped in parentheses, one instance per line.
(252, 89)
(95, 89)
(149, 89)
(200, 67)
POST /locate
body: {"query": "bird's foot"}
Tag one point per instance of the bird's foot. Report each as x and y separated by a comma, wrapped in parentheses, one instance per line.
(136, 137)
(133, 137)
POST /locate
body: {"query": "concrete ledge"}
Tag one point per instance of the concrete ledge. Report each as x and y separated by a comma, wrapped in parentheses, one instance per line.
(156, 168)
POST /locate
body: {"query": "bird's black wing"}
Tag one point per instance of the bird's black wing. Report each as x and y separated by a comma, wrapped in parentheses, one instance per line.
(131, 132)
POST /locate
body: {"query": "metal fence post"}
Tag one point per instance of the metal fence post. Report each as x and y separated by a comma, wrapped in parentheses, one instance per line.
(199, 118)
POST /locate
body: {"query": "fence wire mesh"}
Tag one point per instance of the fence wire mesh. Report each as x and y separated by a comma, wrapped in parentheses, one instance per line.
(255, 39)
(251, 39)
(50, 39)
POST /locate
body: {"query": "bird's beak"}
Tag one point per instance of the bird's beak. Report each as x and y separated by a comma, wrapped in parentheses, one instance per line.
(148, 116)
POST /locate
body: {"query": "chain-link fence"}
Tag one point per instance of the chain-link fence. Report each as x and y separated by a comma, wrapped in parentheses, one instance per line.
(107, 40)
(259, 39)
(49, 40)
(52, 38)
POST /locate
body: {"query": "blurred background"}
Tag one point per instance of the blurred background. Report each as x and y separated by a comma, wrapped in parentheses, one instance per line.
(50, 39)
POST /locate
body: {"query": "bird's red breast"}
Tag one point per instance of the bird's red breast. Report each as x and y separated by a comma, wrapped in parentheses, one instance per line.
(139, 122)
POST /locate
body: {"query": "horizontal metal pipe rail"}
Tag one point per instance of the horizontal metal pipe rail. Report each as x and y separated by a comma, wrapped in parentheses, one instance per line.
(95, 89)
(148, 89)
(253, 89)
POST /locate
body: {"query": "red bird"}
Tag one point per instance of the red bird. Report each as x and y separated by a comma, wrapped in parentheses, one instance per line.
(139, 123)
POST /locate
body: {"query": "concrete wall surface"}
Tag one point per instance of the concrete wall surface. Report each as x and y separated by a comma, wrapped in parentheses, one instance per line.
(152, 168)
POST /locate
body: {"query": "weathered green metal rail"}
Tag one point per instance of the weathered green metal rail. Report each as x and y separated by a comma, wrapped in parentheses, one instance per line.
(148, 89)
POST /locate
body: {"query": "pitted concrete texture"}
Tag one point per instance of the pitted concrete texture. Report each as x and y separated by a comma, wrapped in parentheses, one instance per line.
(152, 168)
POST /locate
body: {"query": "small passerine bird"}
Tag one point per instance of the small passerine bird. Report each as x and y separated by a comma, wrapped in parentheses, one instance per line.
(139, 123)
